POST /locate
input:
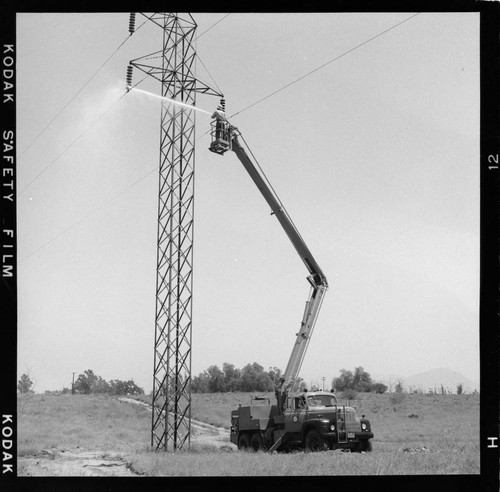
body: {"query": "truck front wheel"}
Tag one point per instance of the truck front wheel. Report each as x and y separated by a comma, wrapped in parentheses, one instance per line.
(315, 442)
(367, 446)
(244, 442)
(363, 446)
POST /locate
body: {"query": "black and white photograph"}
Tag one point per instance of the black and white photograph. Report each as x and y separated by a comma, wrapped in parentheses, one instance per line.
(250, 244)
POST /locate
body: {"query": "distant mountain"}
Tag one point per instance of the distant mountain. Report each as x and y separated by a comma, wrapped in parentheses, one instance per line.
(434, 378)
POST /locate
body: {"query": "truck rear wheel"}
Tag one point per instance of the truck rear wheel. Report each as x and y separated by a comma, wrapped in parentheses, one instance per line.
(256, 442)
(244, 442)
(315, 442)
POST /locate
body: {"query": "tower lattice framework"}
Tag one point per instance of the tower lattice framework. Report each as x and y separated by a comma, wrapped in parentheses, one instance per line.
(174, 68)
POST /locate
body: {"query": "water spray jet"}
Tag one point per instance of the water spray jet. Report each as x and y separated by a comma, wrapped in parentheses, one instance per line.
(173, 101)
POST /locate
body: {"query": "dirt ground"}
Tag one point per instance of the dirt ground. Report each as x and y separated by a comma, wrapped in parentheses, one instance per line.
(81, 462)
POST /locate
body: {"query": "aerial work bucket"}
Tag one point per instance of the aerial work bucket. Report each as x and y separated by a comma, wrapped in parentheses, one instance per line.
(221, 140)
(220, 137)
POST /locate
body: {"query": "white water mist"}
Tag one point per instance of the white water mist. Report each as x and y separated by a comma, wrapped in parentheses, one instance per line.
(173, 101)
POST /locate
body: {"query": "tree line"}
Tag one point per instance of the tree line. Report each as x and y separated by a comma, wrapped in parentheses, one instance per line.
(357, 380)
(88, 383)
(253, 377)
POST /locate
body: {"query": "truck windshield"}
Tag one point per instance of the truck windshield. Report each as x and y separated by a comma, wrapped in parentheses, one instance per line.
(321, 401)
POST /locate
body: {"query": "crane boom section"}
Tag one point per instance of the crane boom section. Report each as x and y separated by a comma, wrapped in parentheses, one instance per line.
(317, 276)
(317, 279)
(311, 312)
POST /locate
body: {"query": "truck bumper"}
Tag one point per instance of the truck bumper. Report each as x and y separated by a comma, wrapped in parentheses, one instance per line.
(358, 436)
(364, 435)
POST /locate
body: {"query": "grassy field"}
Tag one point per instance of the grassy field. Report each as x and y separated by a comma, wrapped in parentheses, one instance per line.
(414, 434)
(87, 422)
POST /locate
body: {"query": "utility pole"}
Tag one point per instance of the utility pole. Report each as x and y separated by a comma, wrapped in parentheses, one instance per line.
(73, 384)
(173, 66)
(323, 378)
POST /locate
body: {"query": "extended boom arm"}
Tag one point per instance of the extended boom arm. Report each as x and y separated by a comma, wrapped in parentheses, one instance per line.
(228, 139)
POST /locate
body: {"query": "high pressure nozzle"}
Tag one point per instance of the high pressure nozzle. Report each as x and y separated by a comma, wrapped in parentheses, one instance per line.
(130, 68)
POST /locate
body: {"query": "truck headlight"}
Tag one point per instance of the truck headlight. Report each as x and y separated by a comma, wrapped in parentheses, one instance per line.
(363, 426)
(332, 427)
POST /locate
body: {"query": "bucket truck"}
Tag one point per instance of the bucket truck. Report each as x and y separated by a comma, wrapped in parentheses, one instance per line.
(311, 420)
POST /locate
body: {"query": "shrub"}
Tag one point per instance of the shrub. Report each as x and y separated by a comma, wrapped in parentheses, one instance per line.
(25, 384)
(88, 383)
(118, 387)
(344, 381)
(358, 380)
(349, 394)
(399, 387)
(397, 398)
(379, 388)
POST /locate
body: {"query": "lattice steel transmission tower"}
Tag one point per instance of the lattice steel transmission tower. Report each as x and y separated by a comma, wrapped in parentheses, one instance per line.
(174, 67)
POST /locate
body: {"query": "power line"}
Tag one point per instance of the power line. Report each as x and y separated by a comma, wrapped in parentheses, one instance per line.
(100, 206)
(211, 27)
(201, 61)
(92, 124)
(98, 70)
(318, 68)
(67, 148)
(160, 55)
(327, 63)
(146, 175)
(78, 92)
(197, 56)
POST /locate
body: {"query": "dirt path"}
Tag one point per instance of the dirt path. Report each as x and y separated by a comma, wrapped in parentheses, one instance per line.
(75, 462)
(201, 433)
(79, 462)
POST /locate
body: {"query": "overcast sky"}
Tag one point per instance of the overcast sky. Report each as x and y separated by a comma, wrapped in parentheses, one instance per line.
(375, 156)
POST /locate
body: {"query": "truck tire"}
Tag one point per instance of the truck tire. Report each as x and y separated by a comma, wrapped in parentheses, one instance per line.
(315, 442)
(367, 446)
(244, 442)
(363, 446)
(256, 442)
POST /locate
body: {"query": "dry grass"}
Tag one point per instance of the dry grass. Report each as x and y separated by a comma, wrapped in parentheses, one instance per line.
(414, 435)
(87, 422)
(422, 434)
(391, 462)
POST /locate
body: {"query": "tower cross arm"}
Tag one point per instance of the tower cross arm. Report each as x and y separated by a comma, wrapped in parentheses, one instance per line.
(184, 81)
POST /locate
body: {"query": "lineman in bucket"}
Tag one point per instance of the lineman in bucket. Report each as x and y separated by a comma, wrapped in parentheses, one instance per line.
(221, 123)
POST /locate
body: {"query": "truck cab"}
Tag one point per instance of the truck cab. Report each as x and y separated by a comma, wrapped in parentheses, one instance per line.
(315, 420)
